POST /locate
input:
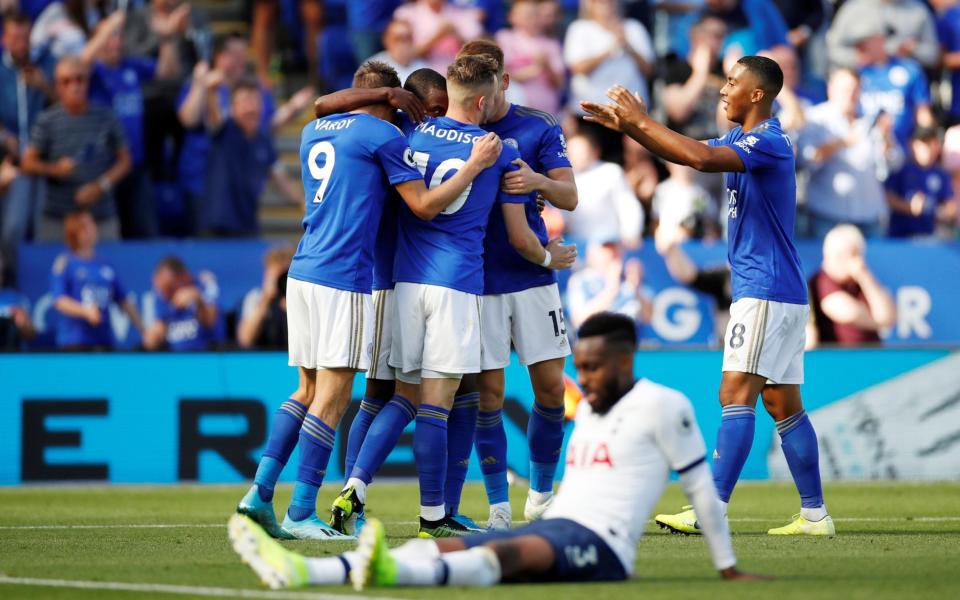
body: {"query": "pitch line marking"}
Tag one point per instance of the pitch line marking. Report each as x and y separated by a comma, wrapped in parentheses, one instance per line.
(161, 588)
(649, 522)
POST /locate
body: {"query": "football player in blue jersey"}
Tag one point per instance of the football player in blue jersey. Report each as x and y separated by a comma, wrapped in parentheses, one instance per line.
(439, 276)
(763, 346)
(521, 304)
(349, 162)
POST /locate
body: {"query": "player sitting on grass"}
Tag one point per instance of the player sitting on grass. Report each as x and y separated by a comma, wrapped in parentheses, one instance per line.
(763, 353)
(629, 436)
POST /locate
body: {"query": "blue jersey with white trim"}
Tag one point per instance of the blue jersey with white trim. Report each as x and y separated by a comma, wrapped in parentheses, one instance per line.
(447, 251)
(538, 138)
(761, 210)
(349, 163)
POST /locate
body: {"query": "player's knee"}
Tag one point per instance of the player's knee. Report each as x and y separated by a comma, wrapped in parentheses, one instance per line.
(491, 392)
(549, 393)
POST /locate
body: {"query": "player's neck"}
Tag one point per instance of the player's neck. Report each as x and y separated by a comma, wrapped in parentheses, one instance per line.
(458, 113)
(755, 118)
(502, 113)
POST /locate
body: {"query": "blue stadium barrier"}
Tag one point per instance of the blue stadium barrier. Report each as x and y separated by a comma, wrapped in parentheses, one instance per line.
(165, 418)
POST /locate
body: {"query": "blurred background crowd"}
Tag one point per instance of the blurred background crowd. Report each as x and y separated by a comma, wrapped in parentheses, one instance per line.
(168, 119)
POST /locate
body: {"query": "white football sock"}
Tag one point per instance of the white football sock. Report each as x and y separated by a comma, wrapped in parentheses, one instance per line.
(476, 567)
(501, 506)
(540, 497)
(360, 486)
(417, 549)
(814, 514)
(723, 507)
(433, 513)
(329, 571)
(418, 571)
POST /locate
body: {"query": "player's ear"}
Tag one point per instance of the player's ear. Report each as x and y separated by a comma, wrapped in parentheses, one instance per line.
(505, 81)
(758, 95)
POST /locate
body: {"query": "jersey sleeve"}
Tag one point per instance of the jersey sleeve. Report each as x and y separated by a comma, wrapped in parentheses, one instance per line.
(760, 150)
(677, 433)
(396, 158)
(507, 156)
(553, 149)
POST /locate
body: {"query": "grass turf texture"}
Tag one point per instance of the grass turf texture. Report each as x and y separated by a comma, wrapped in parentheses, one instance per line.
(894, 541)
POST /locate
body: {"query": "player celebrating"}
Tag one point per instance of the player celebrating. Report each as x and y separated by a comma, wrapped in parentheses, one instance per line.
(521, 303)
(763, 353)
(629, 436)
(349, 162)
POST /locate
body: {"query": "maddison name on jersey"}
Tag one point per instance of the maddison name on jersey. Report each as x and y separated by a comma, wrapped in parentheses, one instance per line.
(451, 135)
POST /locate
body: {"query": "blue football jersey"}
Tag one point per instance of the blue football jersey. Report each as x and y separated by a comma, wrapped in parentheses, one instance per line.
(89, 282)
(448, 250)
(538, 138)
(896, 88)
(385, 248)
(761, 210)
(350, 162)
(934, 183)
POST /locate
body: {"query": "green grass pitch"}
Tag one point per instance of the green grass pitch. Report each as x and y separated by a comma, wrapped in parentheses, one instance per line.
(895, 540)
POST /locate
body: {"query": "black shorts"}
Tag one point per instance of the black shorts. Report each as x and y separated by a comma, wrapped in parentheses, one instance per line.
(580, 554)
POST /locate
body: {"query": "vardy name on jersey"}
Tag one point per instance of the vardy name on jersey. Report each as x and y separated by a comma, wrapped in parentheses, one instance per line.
(761, 209)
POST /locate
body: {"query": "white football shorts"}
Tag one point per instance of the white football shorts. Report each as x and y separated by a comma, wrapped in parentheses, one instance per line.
(532, 319)
(382, 335)
(328, 328)
(766, 338)
(435, 329)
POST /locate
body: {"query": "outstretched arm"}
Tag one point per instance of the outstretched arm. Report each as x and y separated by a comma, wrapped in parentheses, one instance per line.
(353, 98)
(628, 115)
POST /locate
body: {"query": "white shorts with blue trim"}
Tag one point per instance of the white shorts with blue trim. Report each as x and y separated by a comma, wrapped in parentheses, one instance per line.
(532, 319)
(328, 328)
(766, 338)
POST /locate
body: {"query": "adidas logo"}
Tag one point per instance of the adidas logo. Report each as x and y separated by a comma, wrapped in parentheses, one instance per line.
(490, 460)
(716, 455)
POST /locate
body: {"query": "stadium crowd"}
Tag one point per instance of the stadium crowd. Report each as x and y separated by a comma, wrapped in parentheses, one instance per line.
(137, 114)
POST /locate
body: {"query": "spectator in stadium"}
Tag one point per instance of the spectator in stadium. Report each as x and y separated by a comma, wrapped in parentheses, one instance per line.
(25, 88)
(368, 23)
(187, 312)
(890, 84)
(608, 283)
(807, 88)
(847, 157)
(608, 209)
(803, 19)
(920, 194)
(534, 61)
(83, 288)
(644, 173)
(263, 316)
(679, 17)
(948, 31)
(752, 25)
(602, 48)
(242, 158)
(62, 28)
(229, 68)
(907, 27)
(116, 81)
(16, 326)
(848, 305)
(398, 51)
(440, 28)
(679, 202)
(81, 152)
(692, 83)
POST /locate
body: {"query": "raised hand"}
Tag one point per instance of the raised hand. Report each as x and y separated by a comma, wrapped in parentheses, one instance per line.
(602, 114)
(401, 99)
(628, 107)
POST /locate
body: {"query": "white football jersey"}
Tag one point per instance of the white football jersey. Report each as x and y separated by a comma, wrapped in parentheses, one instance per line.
(619, 463)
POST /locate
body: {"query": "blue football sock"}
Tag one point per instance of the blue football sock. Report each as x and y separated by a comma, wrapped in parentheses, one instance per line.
(545, 437)
(283, 437)
(461, 427)
(369, 409)
(492, 450)
(316, 445)
(799, 443)
(382, 437)
(430, 453)
(733, 446)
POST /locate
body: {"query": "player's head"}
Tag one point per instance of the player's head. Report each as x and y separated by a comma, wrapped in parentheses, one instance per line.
(246, 105)
(603, 356)
(16, 36)
(752, 84)
(925, 146)
(843, 249)
(230, 55)
(431, 88)
(170, 275)
(80, 231)
(472, 85)
(490, 49)
(72, 77)
(375, 74)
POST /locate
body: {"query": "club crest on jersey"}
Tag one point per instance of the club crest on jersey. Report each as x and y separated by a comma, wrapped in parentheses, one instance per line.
(512, 143)
(589, 455)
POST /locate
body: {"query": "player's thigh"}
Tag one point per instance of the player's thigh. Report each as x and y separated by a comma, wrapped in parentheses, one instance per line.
(451, 342)
(740, 388)
(762, 337)
(409, 327)
(332, 394)
(546, 377)
(787, 363)
(538, 328)
(383, 322)
(495, 332)
(492, 388)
